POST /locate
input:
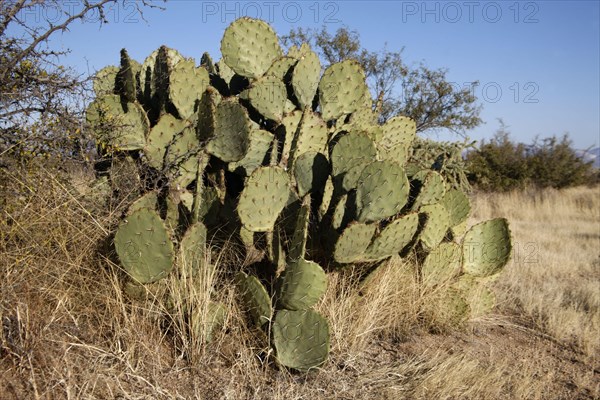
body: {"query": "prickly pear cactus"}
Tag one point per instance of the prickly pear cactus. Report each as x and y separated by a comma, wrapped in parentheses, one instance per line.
(293, 164)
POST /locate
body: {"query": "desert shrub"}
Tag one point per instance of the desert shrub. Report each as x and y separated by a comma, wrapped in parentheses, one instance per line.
(502, 164)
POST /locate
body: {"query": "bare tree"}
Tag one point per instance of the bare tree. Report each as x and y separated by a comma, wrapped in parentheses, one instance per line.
(40, 99)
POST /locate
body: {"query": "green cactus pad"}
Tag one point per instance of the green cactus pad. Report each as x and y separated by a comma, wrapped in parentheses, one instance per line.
(457, 205)
(267, 95)
(181, 157)
(394, 237)
(104, 81)
(436, 226)
(125, 84)
(266, 193)
(287, 129)
(298, 52)
(326, 201)
(311, 135)
(207, 110)
(209, 204)
(144, 247)
(398, 134)
(301, 339)
(275, 250)
(224, 72)
(281, 67)
(352, 152)
(311, 171)
(341, 88)
(249, 46)
(192, 250)
(382, 191)
(442, 264)
(486, 248)
(301, 285)
(207, 63)
(148, 78)
(480, 298)
(353, 243)
(187, 84)
(432, 188)
(305, 78)
(256, 299)
(337, 220)
(123, 130)
(297, 247)
(260, 142)
(232, 131)
(148, 200)
(247, 237)
(161, 136)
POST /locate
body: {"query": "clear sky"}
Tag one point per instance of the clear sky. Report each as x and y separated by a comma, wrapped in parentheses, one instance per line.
(538, 62)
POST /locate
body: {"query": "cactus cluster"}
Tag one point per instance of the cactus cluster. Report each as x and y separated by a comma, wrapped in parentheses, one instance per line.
(292, 161)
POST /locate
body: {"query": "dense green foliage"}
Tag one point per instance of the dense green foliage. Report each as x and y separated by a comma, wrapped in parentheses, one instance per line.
(502, 164)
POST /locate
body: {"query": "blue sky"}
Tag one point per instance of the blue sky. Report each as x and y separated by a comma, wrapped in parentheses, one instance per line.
(537, 62)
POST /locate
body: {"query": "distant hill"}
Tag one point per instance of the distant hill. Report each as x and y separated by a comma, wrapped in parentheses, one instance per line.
(591, 155)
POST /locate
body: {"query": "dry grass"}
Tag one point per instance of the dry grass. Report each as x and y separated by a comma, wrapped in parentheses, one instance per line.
(68, 332)
(553, 278)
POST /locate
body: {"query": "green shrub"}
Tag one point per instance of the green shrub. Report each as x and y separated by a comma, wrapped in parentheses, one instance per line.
(503, 165)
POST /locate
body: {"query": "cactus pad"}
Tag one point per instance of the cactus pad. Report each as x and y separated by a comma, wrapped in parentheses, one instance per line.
(232, 131)
(394, 237)
(351, 152)
(436, 226)
(301, 285)
(192, 250)
(432, 188)
(122, 129)
(301, 339)
(398, 135)
(266, 193)
(353, 243)
(187, 84)
(148, 200)
(260, 141)
(256, 299)
(267, 95)
(281, 68)
(297, 247)
(486, 248)
(305, 78)
(161, 136)
(144, 247)
(457, 205)
(104, 81)
(249, 47)
(442, 264)
(341, 89)
(382, 191)
(311, 170)
(311, 135)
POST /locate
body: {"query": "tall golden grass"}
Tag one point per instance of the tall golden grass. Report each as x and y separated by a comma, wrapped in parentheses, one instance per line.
(68, 332)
